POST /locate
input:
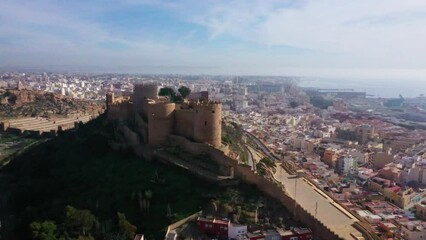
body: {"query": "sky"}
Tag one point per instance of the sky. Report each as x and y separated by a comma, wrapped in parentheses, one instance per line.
(322, 38)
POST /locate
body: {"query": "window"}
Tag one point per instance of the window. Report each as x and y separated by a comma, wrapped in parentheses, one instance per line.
(205, 123)
(212, 111)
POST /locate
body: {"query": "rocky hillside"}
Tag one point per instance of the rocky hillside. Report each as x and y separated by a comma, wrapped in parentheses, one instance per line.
(19, 103)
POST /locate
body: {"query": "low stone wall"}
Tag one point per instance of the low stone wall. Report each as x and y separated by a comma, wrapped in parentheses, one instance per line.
(191, 147)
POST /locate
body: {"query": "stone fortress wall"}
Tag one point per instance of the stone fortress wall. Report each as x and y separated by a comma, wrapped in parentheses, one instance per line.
(195, 127)
(161, 120)
(142, 92)
(119, 108)
(271, 188)
(157, 117)
(200, 122)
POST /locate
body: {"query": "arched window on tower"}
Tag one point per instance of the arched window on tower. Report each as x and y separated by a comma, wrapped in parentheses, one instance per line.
(205, 123)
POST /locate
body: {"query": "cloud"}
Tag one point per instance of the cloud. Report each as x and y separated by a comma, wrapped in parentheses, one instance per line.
(362, 29)
(46, 32)
(263, 36)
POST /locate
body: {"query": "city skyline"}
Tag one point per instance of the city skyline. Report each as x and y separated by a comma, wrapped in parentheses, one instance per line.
(362, 39)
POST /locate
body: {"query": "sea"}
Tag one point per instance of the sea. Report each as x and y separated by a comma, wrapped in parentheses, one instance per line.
(382, 88)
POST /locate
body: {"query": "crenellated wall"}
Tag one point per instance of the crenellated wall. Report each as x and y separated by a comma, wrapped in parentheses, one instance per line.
(120, 111)
(198, 121)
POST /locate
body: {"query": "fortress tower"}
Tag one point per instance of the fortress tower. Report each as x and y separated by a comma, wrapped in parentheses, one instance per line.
(161, 119)
(110, 98)
(142, 92)
(157, 118)
(208, 123)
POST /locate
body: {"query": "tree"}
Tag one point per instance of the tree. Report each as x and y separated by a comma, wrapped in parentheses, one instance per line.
(126, 229)
(79, 222)
(167, 92)
(211, 208)
(46, 230)
(222, 210)
(148, 197)
(184, 91)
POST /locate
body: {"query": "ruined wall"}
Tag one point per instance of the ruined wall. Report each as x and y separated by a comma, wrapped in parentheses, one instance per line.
(161, 117)
(208, 123)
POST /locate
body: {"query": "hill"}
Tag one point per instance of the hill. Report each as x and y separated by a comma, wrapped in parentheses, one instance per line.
(79, 169)
(19, 103)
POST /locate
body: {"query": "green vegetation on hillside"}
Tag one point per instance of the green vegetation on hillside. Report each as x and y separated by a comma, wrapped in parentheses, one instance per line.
(233, 136)
(12, 145)
(79, 169)
(264, 164)
(48, 188)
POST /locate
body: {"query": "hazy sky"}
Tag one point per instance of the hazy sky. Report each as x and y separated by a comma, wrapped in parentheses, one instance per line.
(358, 38)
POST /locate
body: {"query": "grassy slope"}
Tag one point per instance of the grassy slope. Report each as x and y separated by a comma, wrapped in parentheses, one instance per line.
(81, 170)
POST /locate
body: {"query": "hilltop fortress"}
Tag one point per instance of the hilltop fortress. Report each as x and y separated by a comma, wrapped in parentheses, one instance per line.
(188, 135)
(157, 117)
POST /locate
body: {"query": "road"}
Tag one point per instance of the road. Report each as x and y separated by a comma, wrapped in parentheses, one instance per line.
(314, 200)
(262, 146)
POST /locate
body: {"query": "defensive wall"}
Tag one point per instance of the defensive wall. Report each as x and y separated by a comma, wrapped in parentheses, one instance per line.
(272, 188)
(171, 228)
(42, 127)
(122, 111)
(362, 225)
(156, 118)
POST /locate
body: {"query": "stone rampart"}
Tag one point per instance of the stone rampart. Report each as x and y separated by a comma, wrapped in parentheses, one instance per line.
(185, 122)
(272, 188)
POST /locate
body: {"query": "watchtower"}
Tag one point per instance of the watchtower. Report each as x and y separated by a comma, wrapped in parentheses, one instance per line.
(208, 123)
